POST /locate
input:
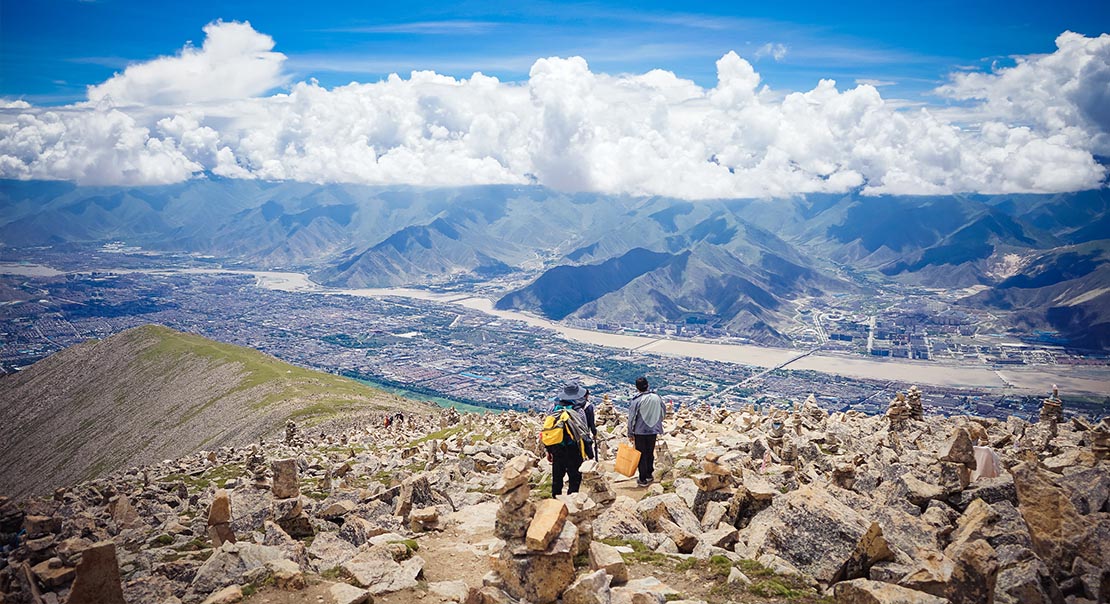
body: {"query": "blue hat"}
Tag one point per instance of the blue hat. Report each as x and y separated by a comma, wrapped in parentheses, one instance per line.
(571, 392)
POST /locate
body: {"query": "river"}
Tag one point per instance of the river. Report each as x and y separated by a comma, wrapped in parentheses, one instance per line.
(935, 373)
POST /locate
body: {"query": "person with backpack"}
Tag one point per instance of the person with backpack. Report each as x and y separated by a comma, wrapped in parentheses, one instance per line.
(645, 424)
(568, 434)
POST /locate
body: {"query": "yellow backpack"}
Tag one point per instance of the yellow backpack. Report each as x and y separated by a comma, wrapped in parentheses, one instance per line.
(556, 431)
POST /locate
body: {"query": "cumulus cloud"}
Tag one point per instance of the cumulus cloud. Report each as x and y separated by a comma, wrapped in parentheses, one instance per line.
(569, 128)
(1066, 93)
(234, 62)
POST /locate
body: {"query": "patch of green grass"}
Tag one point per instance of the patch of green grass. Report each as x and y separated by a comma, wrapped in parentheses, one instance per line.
(774, 587)
(582, 560)
(754, 569)
(409, 544)
(437, 435)
(163, 539)
(249, 590)
(334, 573)
(640, 552)
(668, 486)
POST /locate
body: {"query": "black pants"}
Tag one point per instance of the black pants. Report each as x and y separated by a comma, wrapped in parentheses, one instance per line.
(645, 444)
(565, 460)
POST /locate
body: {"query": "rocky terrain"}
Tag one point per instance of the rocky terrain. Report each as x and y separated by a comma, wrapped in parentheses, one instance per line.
(747, 506)
(135, 398)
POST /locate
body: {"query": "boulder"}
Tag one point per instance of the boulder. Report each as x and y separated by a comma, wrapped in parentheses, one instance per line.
(228, 595)
(330, 551)
(285, 483)
(122, 512)
(591, 588)
(866, 591)
(219, 512)
(415, 492)
(230, 563)
(606, 557)
(958, 449)
(620, 520)
(97, 579)
(815, 533)
(1055, 526)
(539, 577)
(343, 593)
(671, 507)
(450, 591)
(377, 571)
(965, 574)
(548, 522)
(648, 590)
(1023, 578)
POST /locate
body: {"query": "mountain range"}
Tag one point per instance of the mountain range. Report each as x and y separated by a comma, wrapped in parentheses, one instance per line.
(737, 264)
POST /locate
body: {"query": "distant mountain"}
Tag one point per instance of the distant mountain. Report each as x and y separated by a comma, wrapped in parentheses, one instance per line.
(733, 262)
(1065, 289)
(152, 393)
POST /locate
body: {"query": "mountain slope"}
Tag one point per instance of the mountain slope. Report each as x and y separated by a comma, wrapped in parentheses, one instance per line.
(1066, 289)
(150, 393)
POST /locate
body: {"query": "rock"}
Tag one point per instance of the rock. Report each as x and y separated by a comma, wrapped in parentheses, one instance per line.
(866, 591)
(546, 524)
(811, 530)
(285, 483)
(671, 507)
(515, 473)
(40, 526)
(539, 578)
(423, 519)
(286, 575)
(330, 551)
(357, 530)
(227, 595)
(231, 563)
(123, 514)
(52, 574)
(337, 510)
(591, 588)
(735, 575)
(97, 579)
(919, 492)
(376, 570)
(511, 523)
(1056, 528)
(343, 593)
(451, 591)
(606, 557)
(722, 537)
(621, 519)
(415, 492)
(683, 539)
(219, 512)
(958, 449)
(965, 574)
(1023, 578)
(648, 590)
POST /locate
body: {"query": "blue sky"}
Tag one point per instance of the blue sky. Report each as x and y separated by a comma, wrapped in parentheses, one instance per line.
(50, 50)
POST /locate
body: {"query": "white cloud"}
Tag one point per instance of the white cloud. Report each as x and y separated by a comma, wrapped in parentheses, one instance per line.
(771, 49)
(568, 128)
(1066, 92)
(234, 62)
(874, 82)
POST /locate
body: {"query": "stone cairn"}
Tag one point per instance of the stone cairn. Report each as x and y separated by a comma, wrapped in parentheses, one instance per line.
(219, 519)
(292, 436)
(256, 465)
(1052, 408)
(536, 561)
(899, 412)
(1100, 439)
(288, 511)
(913, 397)
(595, 483)
(448, 417)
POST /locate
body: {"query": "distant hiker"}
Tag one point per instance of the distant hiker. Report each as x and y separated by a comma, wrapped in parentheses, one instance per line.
(567, 435)
(645, 424)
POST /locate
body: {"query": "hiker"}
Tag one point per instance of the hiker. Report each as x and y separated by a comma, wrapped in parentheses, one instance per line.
(645, 424)
(577, 429)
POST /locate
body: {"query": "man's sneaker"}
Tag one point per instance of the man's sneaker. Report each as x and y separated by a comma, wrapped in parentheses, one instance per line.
(644, 483)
